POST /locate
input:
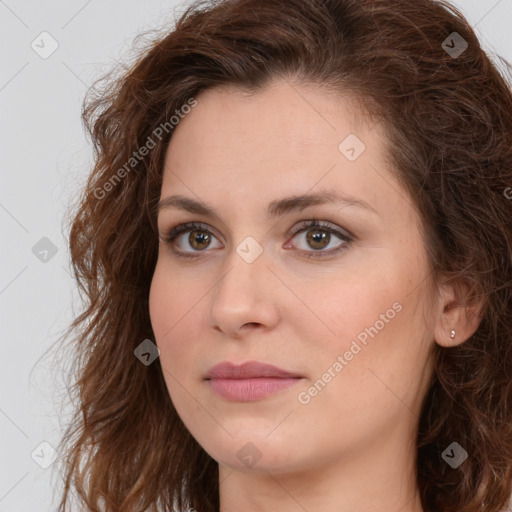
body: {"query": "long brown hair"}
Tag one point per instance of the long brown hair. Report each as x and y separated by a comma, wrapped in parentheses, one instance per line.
(447, 110)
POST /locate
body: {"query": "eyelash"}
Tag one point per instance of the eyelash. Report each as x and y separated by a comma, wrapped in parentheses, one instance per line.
(303, 226)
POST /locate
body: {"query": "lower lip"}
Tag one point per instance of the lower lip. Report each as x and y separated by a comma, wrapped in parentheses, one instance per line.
(245, 390)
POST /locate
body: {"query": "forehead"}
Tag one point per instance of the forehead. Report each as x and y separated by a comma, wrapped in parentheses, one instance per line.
(243, 147)
(298, 112)
(282, 122)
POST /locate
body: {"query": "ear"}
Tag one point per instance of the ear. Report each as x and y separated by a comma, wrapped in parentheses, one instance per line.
(454, 311)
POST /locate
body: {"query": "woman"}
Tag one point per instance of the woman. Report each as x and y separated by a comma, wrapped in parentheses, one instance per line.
(296, 248)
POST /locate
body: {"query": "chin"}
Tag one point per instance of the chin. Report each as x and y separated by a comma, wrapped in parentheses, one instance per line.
(253, 454)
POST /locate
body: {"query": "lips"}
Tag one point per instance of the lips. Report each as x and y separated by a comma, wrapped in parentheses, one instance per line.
(249, 381)
(248, 370)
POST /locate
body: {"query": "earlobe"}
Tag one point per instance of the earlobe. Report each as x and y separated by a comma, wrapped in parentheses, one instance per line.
(448, 337)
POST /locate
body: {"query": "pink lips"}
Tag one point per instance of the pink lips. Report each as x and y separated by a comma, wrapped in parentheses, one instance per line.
(250, 381)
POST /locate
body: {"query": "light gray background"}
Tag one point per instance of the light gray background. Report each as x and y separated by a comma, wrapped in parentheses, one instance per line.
(45, 157)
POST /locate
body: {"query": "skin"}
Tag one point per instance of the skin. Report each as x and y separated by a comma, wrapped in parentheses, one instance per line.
(351, 448)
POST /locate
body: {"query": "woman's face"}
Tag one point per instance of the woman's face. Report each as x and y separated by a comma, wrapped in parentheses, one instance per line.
(350, 317)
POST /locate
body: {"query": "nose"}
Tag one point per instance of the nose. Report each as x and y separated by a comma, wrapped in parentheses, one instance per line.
(245, 298)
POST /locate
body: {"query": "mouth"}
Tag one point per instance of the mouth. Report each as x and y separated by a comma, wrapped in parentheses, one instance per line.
(250, 381)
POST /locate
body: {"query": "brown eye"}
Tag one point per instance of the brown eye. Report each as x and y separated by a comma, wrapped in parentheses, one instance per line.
(318, 239)
(318, 236)
(199, 240)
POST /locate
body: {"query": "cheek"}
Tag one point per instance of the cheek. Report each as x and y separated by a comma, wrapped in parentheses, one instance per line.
(373, 327)
(344, 309)
(167, 304)
(367, 375)
(175, 307)
(166, 307)
(159, 296)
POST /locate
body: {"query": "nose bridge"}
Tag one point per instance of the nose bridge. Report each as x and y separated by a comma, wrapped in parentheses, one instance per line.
(243, 294)
(243, 275)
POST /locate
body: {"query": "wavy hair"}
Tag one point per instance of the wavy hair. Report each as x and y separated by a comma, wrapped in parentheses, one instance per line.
(448, 118)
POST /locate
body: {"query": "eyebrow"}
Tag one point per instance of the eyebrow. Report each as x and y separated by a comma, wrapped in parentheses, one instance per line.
(276, 208)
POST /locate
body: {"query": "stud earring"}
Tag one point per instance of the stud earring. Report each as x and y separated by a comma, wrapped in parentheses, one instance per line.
(452, 334)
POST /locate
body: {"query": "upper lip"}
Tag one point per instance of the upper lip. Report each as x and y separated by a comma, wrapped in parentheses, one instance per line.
(248, 370)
